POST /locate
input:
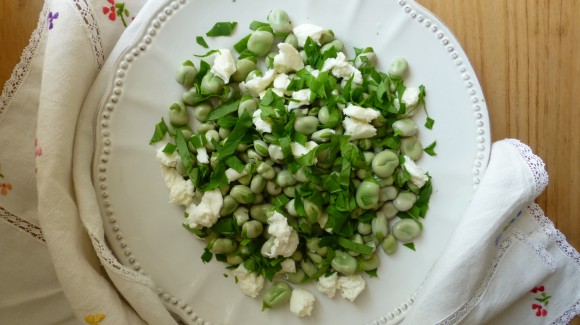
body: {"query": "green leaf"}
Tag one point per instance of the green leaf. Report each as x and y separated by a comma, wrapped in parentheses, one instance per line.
(242, 44)
(430, 149)
(223, 110)
(208, 53)
(183, 150)
(160, 132)
(235, 137)
(222, 29)
(410, 246)
(312, 51)
(354, 246)
(201, 41)
(235, 163)
(216, 179)
(372, 273)
(429, 123)
(226, 226)
(254, 25)
(206, 256)
(169, 148)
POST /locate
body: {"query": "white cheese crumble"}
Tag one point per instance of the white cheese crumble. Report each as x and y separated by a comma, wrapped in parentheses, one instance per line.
(328, 284)
(224, 65)
(256, 85)
(261, 125)
(410, 97)
(281, 82)
(284, 239)
(361, 113)
(351, 286)
(418, 175)
(358, 129)
(181, 191)
(288, 266)
(232, 174)
(299, 150)
(249, 283)
(288, 59)
(169, 160)
(301, 97)
(207, 212)
(304, 31)
(202, 156)
(341, 68)
(301, 302)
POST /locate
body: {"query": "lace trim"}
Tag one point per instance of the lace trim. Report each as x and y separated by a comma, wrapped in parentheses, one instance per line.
(460, 313)
(548, 228)
(33, 230)
(535, 163)
(538, 249)
(21, 69)
(95, 33)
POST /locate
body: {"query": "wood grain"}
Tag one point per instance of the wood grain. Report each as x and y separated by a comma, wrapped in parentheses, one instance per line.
(526, 54)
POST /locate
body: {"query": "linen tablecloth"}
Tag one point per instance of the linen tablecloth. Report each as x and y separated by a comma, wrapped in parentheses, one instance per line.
(506, 264)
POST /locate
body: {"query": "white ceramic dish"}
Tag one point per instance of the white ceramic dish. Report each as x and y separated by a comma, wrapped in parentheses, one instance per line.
(147, 234)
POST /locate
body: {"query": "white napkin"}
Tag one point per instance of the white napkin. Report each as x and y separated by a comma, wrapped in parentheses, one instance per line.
(505, 264)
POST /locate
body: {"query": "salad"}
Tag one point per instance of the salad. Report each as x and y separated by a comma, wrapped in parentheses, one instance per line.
(295, 163)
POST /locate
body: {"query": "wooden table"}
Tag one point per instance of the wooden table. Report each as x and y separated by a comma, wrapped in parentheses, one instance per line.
(526, 55)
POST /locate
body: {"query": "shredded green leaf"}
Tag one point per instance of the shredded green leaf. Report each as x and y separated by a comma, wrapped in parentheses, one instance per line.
(222, 29)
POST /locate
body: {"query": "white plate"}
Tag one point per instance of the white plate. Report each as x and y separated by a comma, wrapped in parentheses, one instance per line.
(148, 235)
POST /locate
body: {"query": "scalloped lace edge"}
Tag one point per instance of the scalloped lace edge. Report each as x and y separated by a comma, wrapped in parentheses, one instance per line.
(33, 230)
(535, 164)
(547, 226)
(21, 69)
(88, 17)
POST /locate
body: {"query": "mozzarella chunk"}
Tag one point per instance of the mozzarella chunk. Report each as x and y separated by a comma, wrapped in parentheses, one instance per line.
(365, 114)
(301, 302)
(299, 150)
(283, 239)
(410, 97)
(202, 156)
(351, 286)
(255, 86)
(207, 212)
(261, 125)
(249, 283)
(288, 59)
(181, 191)
(302, 98)
(304, 31)
(169, 160)
(224, 65)
(418, 175)
(341, 68)
(358, 129)
(328, 284)
(281, 82)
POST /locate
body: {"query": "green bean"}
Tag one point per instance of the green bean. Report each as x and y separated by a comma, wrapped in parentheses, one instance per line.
(209, 135)
(357, 238)
(411, 146)
(254, 157)
(312, 245)
(362, 173)
(363, 228)
(292, 40)
(225, 189)
(252, 229)
(306, 124)
(250, 105)
(186, 74)
(234, 259)
(260, 42)
(275, 152)
(241, 215)
(371, 263)
(329, 119)
(380, 227)
(259, 198)
(246, 179)
(277, 295)
(398, 67)
(242, 147)
(202, 111)
(323, 135)
(404, 200)
(406, 230)
(243, 68)
(343, 263)
(315, 258)
(222, 246)
(257, 184)
(211, 84)
(388, 181)
(312, 211)
(186, 131)
(336, 44)
(388, 193)
(384, 163)
(266, 171)
(297, 277)
(260, 212)
(308, 267)
(405, 127)
(297, 256)
(366, 58)
(272, 188)
(367, 194)
(365, 144)
(242, 194)
(178, 115)
(304, 56)
(389, 245)
(285, 178)
(290, 207)
(261, 147)
(229, 206)
(204, 127)
(326, 37)
(279, 21)
(302, 174)
(389, 210)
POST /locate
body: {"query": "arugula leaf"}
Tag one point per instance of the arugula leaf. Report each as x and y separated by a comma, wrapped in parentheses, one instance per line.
(430, 149)
(226, 226)
(222, 29)
(169, 148)
(201, 41)
(223, 110)
(312, 51)
(206, 256)
(235, 137)
(410, 246)
(254, 25)
(160, 132)
(216, 179)
(372, 273)
(235, 163)
(354, 246)
(242, 44)
(429, 123)
(183, 151)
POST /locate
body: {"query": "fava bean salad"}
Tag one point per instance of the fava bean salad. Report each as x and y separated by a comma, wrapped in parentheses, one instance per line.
(293, 162)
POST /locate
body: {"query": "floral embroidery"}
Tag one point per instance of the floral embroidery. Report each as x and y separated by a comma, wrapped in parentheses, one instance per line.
(117, 10)
(498, 238)
(51, 17)
(542, 298)
(4, 187)
(94, 319)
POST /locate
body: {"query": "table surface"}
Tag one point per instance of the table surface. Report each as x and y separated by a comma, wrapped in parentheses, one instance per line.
(526, 56)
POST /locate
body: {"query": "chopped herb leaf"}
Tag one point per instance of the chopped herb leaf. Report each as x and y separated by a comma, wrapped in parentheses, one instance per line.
(223, 110)
(222, 29)
(410, 246)
(160, 132)
(208, 53)
(430, 149)
(201, 41)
